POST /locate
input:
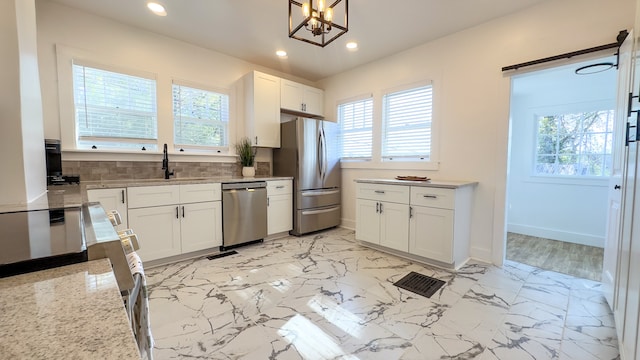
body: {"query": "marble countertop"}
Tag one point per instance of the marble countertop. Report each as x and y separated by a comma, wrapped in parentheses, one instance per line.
(447, 184)
(175, 181)
(70, 312)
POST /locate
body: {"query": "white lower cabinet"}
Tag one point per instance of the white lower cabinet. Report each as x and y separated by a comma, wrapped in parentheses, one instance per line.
(201, 226)
(158, 230)
(279, 206)
(429, 222)
(111, 199)
(191, 222)
(386, 222)
(431, 233)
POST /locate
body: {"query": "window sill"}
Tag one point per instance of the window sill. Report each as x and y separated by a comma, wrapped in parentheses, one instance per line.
(570, 180)
(388, 165)
(124, 155)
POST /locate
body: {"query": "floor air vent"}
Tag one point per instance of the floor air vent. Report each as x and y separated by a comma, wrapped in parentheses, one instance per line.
(419, 284)
(221, 255)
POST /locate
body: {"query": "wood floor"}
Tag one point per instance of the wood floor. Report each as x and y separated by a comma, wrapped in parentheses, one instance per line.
(567, 258)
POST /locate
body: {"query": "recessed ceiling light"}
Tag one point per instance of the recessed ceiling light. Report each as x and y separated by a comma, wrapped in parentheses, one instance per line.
(157, 9)
(352, 45)
(281, 53)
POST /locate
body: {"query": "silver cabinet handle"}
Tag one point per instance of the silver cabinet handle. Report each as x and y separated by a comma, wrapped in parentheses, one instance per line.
(410, 212)
(123, 196)
(320, 193)
(313, 212)
(430, 196)
(380, 208)
(183, 211)
(177, 212)
(379, 191)
(280, 187)
(267, 201)
(377, 207)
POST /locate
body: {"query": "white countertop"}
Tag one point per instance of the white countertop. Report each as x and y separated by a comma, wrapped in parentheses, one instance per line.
(447, 184)
(70, 312)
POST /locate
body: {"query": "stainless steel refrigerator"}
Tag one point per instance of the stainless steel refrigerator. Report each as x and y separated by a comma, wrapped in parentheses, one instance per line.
(309, 152)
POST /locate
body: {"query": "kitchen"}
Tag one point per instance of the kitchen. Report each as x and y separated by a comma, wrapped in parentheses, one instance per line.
(472, 138)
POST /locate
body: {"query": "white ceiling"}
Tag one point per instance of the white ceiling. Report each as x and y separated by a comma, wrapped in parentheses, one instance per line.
(254, 29)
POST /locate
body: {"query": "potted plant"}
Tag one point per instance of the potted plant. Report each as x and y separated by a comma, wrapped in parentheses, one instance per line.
(247, 156)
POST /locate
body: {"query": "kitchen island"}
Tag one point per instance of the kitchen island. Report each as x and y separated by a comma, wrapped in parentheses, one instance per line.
(69, 312)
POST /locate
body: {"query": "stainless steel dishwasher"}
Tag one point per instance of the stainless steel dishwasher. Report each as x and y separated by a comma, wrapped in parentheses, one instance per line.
(244, 213)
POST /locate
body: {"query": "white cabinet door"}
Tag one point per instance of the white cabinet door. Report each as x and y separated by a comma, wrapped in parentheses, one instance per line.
(301, 98)
(279, 213)
(158, 230)
(262, 109)
(367, 221)
(431, 233)
(291, 95)
(201, 226)
(111, 199)
(314, 101)
(394, 225)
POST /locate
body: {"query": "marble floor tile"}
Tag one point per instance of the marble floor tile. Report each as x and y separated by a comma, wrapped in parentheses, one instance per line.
(324, 296)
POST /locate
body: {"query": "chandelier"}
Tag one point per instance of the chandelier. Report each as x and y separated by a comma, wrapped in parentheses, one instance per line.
(316, 21)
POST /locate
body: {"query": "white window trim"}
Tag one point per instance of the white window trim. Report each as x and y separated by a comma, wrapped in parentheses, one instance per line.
(536, 113)
(65, 56)
(351, 100)
(205, 150)
(376, 163)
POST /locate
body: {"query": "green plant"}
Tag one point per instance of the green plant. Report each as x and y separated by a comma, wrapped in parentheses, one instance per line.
(245, 151)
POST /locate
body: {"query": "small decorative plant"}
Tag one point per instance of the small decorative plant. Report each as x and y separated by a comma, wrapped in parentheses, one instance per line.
(246, 152)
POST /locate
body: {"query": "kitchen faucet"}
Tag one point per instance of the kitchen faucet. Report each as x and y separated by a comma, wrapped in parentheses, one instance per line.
(165, 163)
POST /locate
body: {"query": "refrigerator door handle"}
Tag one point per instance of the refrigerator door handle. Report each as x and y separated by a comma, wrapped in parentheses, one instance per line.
(324, 155)
(319, 153)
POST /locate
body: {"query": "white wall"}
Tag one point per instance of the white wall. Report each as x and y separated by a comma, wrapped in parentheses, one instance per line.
(572, 210)
(21, 139)
(114, 44)
(473, 104)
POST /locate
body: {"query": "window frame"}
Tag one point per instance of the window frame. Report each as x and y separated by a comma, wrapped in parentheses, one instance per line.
(151, 142)
(560, 178)
(199, 148)
(376, 163)
(65, 56)
(357, 99)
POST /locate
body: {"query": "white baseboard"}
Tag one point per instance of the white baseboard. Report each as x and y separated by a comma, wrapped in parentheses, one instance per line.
(566, 236)
(348, 224)
(481, 254)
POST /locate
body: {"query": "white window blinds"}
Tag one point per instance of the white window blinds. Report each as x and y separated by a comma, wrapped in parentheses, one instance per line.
(114, 110)
(356, 122)
(406, 129)
(200, 117)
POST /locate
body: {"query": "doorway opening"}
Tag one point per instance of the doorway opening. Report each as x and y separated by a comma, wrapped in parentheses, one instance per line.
(560, 155)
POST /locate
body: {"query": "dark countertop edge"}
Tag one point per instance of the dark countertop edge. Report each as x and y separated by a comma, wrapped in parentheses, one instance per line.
(446, 184)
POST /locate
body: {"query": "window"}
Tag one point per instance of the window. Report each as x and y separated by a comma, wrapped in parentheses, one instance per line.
(356, 122)
(200, 118)
(574, 144)
(114, 110)
(406, 117)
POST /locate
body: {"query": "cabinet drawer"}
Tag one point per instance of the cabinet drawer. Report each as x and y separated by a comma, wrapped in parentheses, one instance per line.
(433, 197)
(390, 193)
(279, 187)
(146, 196)
(195, 193)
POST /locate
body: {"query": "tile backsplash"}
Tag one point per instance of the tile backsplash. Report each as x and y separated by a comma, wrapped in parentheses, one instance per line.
(118, 170)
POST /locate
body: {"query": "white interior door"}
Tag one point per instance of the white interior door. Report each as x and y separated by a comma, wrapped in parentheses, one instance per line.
(614, 201)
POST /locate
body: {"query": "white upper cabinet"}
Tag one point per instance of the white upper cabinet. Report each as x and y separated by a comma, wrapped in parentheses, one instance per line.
(262, 109)
(301, 98)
